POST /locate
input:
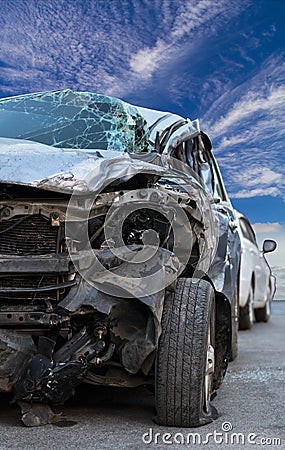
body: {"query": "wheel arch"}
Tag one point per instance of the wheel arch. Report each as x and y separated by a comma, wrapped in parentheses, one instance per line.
(223, 337)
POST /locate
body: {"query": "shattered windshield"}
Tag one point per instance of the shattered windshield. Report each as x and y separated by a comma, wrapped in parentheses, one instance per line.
(79, 120)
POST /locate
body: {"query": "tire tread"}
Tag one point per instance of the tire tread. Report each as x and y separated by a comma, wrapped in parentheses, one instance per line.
(180, 365)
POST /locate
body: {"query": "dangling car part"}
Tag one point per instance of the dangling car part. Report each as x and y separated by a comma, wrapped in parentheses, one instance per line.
(114, 225)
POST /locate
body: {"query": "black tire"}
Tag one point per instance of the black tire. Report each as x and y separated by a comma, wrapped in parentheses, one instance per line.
(263, 314)
(186, 341)
(246, 313)
(235, 325)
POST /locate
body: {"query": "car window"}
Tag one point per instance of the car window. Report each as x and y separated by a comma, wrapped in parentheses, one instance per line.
(183, 152)
(204, 165)
(247, 230)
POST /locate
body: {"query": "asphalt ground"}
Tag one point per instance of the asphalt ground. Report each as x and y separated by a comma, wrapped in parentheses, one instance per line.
(250, 405)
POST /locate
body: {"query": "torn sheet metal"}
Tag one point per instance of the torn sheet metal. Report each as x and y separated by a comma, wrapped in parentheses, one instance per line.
(38, 165)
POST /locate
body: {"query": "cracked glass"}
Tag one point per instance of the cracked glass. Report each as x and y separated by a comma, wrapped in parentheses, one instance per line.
(78, 120)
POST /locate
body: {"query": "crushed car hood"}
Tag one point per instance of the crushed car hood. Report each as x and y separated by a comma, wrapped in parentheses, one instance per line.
(65, 170)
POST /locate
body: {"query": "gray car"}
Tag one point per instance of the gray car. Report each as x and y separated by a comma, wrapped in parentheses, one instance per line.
(119, 256)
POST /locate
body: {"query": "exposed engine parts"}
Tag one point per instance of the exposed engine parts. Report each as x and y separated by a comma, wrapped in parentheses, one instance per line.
(52, 375)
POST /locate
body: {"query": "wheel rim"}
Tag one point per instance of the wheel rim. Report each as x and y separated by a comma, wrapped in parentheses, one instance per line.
(210, 367)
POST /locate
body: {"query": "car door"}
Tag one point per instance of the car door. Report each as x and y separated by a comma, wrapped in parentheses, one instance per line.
(256, 260)
(228, 250)
(263, 281)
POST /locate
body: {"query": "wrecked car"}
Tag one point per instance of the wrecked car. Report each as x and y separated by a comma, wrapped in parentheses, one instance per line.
(118, 256)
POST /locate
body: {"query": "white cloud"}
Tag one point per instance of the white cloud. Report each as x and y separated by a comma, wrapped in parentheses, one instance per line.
(245, 193)
(250, 104)
(267, 227)
(247, 126)
(81, 46)
(264, 176)
(113, 50)
(270, 32)
(189, 21)
(231, 141)
(194, 14)
(259, 176)
(146, 61)
(189, 18)
(260, 87)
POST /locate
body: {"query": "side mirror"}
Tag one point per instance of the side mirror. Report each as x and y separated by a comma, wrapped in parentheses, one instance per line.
(269, 246)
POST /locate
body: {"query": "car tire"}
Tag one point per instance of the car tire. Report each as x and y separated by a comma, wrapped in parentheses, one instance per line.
(263, 314)
(185, 357)
(235, 325)
(246, 314)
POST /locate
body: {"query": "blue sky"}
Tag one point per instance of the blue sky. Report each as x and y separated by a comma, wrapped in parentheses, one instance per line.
(220, 61)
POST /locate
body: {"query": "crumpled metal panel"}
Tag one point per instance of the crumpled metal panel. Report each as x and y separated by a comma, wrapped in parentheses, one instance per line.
(34, 164)
(158, 121)
(38, 165)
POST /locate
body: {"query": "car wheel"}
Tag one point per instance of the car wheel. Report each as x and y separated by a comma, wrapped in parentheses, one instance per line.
(246, 314)
(235, 325)
(263, 314)
(186, 357)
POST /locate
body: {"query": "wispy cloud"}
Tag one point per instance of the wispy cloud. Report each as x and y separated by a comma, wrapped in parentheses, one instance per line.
(263, 89)
(259, 192)
(114, 48)
(247, 125)
(190, 19)
(62, 43)
(147, 60)
(270, 101)
(259, 176)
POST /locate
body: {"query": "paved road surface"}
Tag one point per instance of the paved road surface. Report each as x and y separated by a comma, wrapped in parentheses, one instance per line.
(251, 402)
